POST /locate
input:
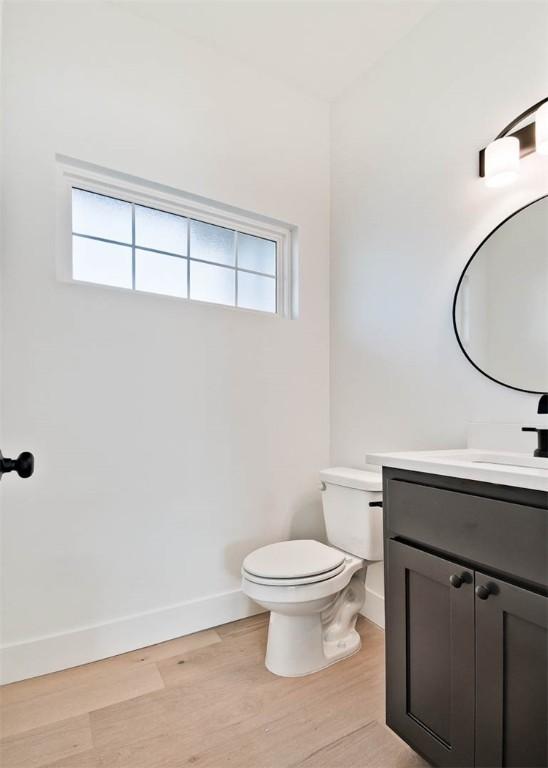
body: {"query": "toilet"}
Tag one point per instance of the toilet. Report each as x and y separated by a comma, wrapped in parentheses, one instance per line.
(315, 591)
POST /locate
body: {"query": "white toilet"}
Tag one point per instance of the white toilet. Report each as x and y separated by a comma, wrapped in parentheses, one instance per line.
(313, 591)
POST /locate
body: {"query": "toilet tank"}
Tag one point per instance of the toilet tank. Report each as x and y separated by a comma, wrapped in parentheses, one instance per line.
(351, 523)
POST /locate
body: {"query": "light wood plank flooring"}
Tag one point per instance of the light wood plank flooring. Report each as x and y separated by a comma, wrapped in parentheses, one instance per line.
(204, 700)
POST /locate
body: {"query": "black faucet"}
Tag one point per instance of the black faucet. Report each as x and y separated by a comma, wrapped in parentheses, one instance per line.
(542, 432)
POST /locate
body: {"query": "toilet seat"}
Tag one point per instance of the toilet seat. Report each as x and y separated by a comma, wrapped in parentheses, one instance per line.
(293, 582)
(280, 592)
(291, 563)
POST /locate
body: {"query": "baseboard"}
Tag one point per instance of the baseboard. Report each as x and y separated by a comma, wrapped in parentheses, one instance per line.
(373, 608)
(39, 656)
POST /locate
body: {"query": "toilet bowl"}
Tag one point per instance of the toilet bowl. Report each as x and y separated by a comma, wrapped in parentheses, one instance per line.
(315, 591)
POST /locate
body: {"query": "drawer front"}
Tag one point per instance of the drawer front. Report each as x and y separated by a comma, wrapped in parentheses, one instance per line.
(508, 537)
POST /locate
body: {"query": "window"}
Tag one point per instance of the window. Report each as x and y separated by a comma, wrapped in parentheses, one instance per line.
(128, 245)
(121, 231)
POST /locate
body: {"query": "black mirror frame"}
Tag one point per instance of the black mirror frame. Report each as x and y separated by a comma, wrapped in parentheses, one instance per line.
(464, 352)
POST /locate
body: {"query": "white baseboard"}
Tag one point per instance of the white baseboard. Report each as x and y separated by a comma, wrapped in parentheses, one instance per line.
(373, 608)
(41, 655)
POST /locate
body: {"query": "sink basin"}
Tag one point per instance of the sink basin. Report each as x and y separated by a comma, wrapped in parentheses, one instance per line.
(533, 462)
(501, 467)
(492, 457)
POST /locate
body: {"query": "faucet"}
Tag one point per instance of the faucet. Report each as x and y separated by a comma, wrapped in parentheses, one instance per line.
(542, 432)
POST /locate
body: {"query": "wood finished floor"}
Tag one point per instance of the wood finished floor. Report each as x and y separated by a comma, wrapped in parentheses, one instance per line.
(205, 700)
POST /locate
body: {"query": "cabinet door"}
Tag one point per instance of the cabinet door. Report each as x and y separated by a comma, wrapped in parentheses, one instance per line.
(430, 654)
(511, 675)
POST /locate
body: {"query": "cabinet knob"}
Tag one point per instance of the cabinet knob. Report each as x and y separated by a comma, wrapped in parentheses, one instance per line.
(483, 591)
(456, 581)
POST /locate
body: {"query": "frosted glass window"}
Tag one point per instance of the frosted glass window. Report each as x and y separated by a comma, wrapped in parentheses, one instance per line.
(97, 262)
(159, 230)
(211, 283)
(160, 273)
(101, 216)
(256, 292)
(132, 245)
(211, 243)
(257, 254)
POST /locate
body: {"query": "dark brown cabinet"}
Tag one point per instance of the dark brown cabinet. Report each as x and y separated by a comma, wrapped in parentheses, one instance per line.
(511, 676)
(466, 644)
(430, 650)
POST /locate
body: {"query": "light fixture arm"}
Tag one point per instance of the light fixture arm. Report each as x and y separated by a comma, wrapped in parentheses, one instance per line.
(521, 117)
(526, 135)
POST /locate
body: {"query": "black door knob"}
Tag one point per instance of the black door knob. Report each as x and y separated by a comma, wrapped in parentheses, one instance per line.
(23, 464)
(456, 581)
(483, 591)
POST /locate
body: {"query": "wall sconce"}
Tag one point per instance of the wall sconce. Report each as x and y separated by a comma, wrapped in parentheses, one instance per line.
(499, 161)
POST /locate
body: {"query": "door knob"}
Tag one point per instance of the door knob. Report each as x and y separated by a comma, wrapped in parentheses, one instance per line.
(483, 591)
(23, 464)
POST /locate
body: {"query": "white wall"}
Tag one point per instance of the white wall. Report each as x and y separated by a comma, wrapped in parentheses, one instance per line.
(407, 212)
(170, 438)
(134, 526)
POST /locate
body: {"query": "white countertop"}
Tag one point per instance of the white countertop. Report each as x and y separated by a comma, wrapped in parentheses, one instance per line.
(499, 467)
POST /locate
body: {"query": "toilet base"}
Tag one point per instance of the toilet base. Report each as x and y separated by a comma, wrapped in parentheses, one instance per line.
(310, 655)
(301, 644)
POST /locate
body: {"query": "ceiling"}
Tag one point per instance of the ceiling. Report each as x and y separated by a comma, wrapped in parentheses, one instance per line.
(320, 47)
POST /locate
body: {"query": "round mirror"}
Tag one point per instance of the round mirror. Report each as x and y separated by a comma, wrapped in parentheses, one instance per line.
(500, 311)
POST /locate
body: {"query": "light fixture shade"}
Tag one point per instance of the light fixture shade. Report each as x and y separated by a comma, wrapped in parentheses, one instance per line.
(502, 161)
(541, 129)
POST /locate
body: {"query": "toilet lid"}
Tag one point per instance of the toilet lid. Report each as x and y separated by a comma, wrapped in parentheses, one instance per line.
(293, 560)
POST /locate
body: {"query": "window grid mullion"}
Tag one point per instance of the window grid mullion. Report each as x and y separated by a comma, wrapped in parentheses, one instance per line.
(102, 239)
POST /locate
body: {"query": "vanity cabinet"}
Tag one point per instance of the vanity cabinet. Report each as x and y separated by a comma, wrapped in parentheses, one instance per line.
(467, 620)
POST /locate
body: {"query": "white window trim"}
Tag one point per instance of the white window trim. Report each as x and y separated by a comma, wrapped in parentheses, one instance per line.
(73, 173)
